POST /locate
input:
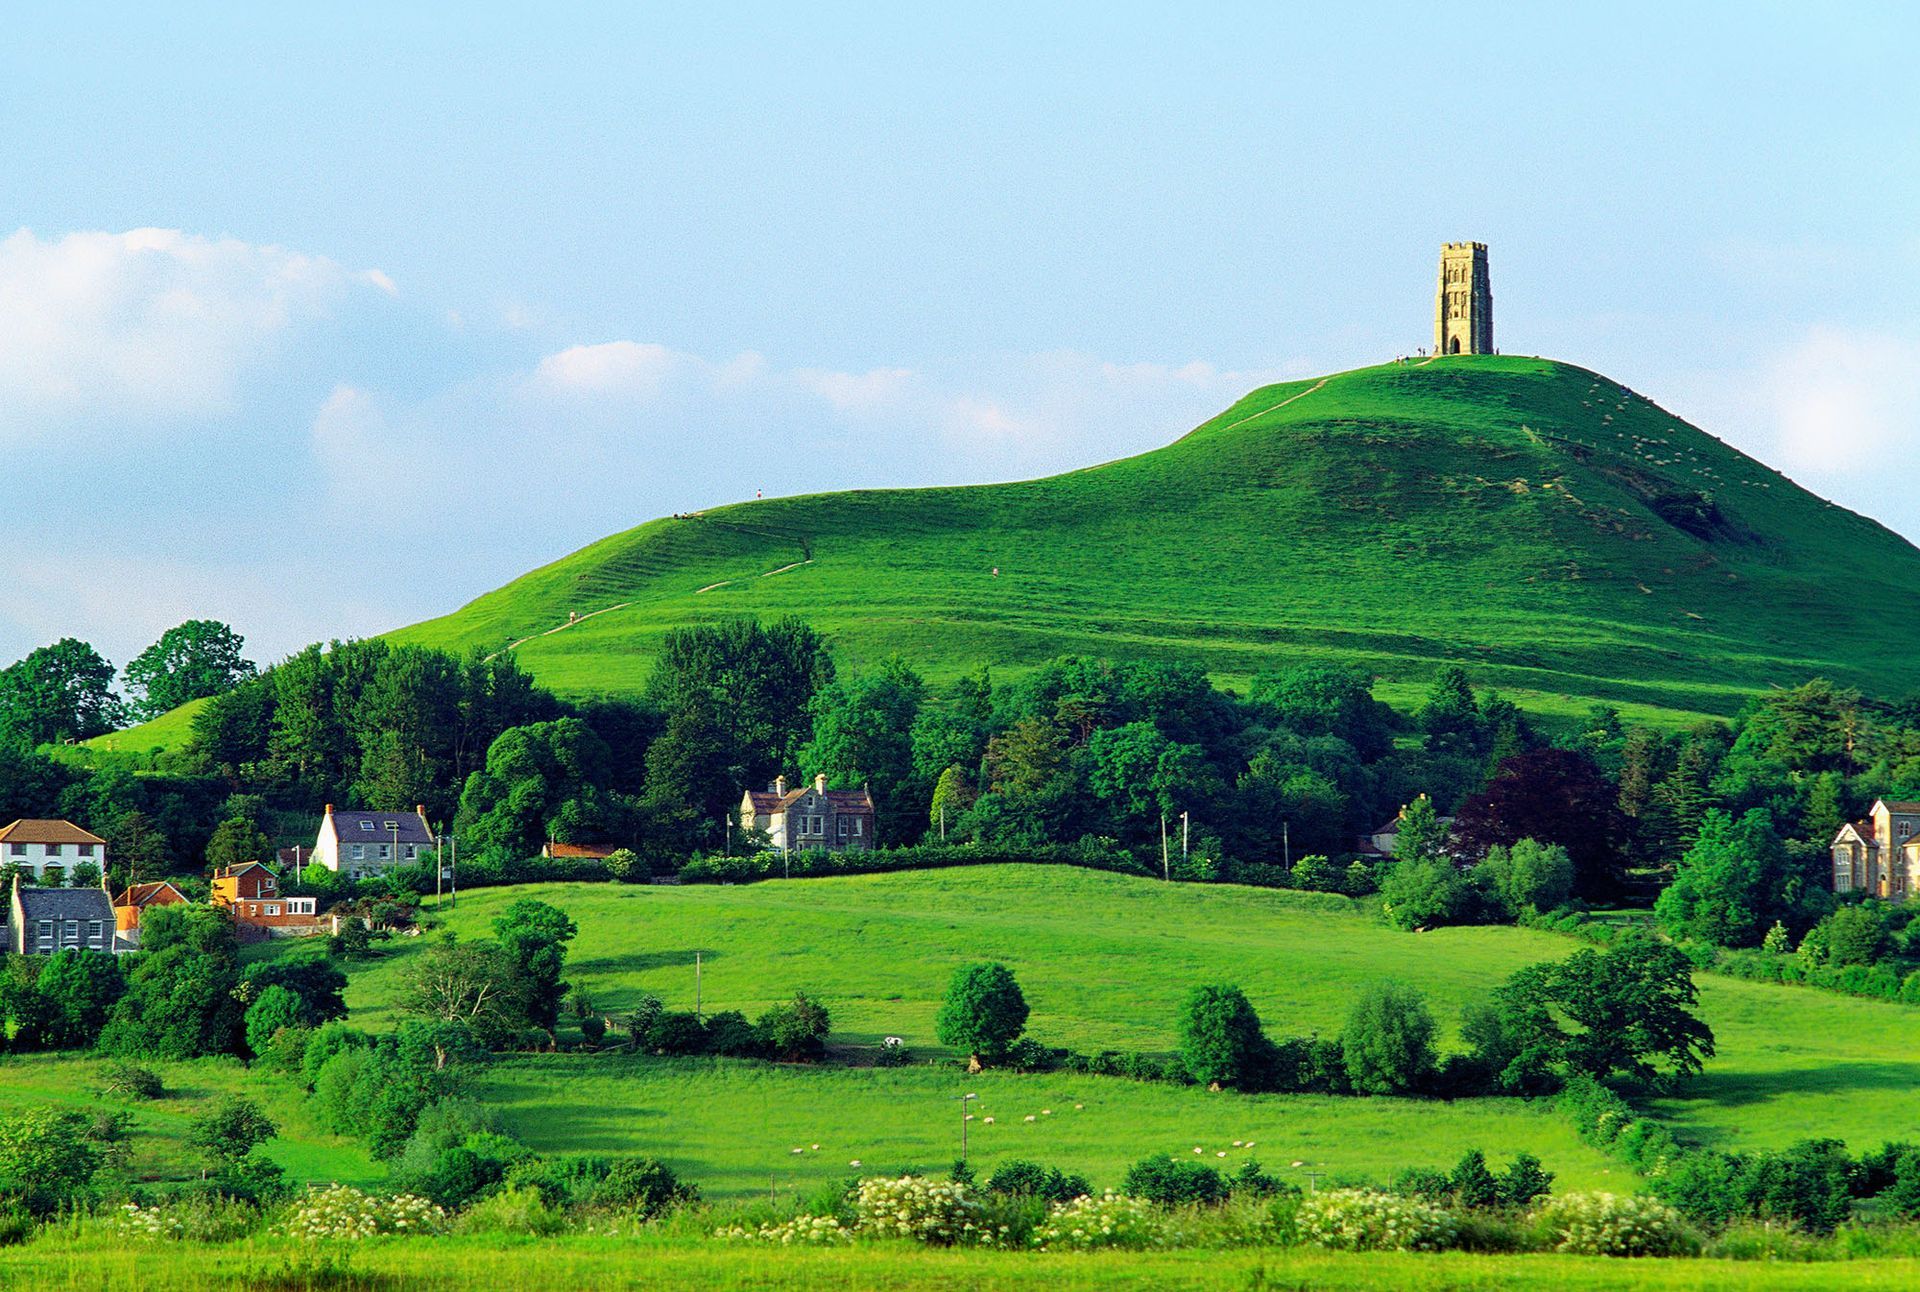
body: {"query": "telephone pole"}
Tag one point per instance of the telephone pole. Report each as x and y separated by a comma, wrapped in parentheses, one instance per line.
(1165, 872)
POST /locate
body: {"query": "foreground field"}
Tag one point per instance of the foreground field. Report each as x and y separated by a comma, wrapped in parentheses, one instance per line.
(688, 1262)
(1105, 961)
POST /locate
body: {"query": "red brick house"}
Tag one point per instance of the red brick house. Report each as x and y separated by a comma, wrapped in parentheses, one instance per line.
(248, 881)
(131, 904)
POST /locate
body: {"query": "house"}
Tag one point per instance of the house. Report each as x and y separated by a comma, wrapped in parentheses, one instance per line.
(293, 860)
(42, 921)
(1385, 837)
(131, 904)
(1880, 853)
(810, 817)
(48, 850)
(579, 851)
(357, 844)
(279, 917)
(247, 882)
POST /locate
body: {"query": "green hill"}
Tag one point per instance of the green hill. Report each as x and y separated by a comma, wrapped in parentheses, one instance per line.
(1562, 535)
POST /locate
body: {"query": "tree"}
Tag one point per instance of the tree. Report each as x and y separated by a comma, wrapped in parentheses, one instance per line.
(236, 840)
(1554, 796)
(180, 1001)
(473, 983)
(1421, 837)
(544, 781)
(953, 795)
(47, 1158)
(1450, 716)
(273, 1009)
(1852, 935)
(58, 692)
(230, 1130)
(1473, 1185)
(1328, 700)
(984, 1013)
(1732, 884)
(1626, 1011)
(863, 736)
(1425, 895)
(795, 1032)
(77, 991)
(1529, 878)
(535, 936)
(191, 661)
(1221, 1041)
(1387, 1043)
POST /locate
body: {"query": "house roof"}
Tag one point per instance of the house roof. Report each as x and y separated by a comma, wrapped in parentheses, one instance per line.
(234, 872)
(1904, 807)
(1862, 830)
(850, 800)
(374, 827)
(27, 830)
(64, 904)
(766, 804)
(596, 851)
(146, 894)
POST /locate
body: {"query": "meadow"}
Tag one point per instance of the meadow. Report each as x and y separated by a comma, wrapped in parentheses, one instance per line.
(1105, 961)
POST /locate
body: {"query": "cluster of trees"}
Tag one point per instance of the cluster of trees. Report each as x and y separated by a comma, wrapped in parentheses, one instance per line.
(65, 691)
(1625, 1013)
(184, 995)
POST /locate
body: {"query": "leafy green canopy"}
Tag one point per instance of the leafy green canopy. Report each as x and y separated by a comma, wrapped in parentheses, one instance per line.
(191, 661)
(984, 1012)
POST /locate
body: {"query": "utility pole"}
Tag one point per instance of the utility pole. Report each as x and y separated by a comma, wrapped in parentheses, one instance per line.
(696, 984)
(439, 864)
(453, 872)
(1286, 844)
(1183, 836)
(729, 824)
(943, 823)
(964, 1101)
(1165, 872)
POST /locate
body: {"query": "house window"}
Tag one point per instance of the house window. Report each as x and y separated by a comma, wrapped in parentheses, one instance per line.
(359, 852)
(46, 930)
(273, 908)
(86, 849)
(389, 825)
(843, 827)
(17, 849)
(53, 850)
(367, 826)
(93, 932)
(856, 826)
(73, 930)
(384, 849)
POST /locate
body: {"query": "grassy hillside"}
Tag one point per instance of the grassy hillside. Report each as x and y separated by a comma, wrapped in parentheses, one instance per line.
(1563, 535)
(1105, 960)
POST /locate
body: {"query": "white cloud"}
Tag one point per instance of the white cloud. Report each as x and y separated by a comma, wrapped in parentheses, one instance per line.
(629, 368)
(147, 324)
(1845, 402)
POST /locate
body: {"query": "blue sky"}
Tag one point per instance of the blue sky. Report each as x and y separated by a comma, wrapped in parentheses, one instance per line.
(323, 322)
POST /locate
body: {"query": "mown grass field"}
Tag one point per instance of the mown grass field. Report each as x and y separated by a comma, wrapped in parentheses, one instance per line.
(1105, 961)
(688, 1262)
(1563, 536)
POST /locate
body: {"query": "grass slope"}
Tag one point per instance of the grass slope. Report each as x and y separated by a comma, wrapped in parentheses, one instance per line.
(1528, 516)
(1105, 960)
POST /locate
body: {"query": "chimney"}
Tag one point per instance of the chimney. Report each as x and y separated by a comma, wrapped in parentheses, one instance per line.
(780, 786)
(329, 809)
(820, 783)
(421, 810)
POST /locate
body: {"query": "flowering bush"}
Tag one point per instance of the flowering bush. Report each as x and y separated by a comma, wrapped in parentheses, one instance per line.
(1614, 1224)
(801, 1231)
(1110, 1220)
(199, 1219)
(342, 1211)
(938, 1212)
(1363, 1220)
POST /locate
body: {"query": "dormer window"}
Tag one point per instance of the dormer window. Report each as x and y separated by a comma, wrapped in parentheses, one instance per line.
(389, 825)
(366, 825)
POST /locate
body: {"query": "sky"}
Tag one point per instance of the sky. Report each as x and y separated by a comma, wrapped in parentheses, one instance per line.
(325, 320)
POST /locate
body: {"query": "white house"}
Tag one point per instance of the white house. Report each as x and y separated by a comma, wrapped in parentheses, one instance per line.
(359, 844)
(48, 850)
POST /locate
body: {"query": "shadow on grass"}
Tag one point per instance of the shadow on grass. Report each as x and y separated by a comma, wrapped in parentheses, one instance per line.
(641, 961)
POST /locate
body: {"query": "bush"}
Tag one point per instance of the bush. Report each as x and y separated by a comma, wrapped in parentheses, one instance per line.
(677, 1032)
(1171, 1182)
(1031, 1180)
(1612, 1224)
(1364, 1220)
(513, 1211)
(1221, 1041)
(797, 1031)
(1387, 1044)
(1111, 1220)
(939, 1213)
(1425, 895)
(344, 1212)
(641, 1186)
(729, 1033)
(200, 1218)
(1524, 1181)
(801, 1231)
(130, 1079)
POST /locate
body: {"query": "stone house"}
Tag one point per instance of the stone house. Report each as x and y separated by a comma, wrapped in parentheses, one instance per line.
(358, 844)
(42, 921)
(812, 816)
(1880, 853)
(49, 850)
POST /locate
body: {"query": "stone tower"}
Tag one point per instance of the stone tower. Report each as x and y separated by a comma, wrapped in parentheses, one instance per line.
(1463, 307)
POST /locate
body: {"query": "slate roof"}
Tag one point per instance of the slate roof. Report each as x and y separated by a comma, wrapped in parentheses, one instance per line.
(28, 830)
(850, 800)
(766, 804)
(64, 904)
(1907, 808)
(346, 826)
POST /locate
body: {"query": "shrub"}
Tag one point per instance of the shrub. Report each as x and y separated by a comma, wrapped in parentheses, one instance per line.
(1172, 1182)
(512, 1211)
(199, 1218)
(1425, 895)
(1031, 1180)
(641, 1186)
(893, 1053)
(1524, 1181)
(1111, 1220)
(342, 1211)
(1387, 1044)
(939, 1213)
(797, 1031)
(729, 1033)
(1613, 1224)
(130, 1079)
(677, 1032)
(1364, 1220)
(1472, 1185)
(801, 1231)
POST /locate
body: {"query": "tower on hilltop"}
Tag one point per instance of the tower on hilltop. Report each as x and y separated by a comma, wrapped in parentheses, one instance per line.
(1463, 308)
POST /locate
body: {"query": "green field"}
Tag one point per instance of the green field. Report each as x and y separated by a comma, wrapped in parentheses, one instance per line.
(688, 1262)
(1105, 961)
(1564, 537)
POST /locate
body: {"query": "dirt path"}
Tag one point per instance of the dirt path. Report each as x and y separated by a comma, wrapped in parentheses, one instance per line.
(577, 619)
(767, 575)
(1276, 407)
